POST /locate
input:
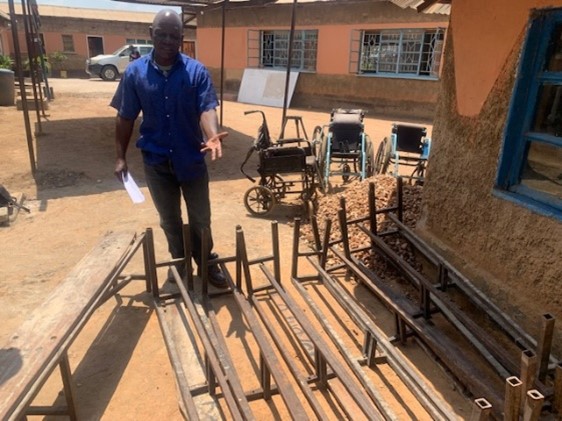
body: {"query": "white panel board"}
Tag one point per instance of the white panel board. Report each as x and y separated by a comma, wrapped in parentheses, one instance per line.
(266, 87)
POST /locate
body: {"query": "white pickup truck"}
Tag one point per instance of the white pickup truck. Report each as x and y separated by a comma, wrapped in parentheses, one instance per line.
(110, 66)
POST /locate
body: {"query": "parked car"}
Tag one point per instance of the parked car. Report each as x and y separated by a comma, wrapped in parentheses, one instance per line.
(110, 66)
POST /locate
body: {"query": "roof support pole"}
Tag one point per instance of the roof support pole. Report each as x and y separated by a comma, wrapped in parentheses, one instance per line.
(223, 35)
(21, 81)
(288, 76)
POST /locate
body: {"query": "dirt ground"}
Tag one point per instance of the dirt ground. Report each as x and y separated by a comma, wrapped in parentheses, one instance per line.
(119, 360)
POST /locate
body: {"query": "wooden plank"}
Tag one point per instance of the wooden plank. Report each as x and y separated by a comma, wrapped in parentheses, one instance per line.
(34, 349)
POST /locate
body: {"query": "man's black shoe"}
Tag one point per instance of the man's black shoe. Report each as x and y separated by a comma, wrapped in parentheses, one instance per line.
(216, 277)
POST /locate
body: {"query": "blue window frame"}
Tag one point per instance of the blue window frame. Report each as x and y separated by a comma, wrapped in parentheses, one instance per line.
(530, 167)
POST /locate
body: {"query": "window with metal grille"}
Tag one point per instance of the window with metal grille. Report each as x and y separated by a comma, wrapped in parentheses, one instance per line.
(402, 52)
(530, 168)
(274, 49)
(67, 43)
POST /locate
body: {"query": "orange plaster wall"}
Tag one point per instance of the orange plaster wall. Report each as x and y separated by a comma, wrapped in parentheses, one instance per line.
(484, 34)
(334, 43)
(209, 51)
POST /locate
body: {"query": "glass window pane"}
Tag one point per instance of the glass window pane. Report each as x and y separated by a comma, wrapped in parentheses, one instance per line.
(554, 57)
(543, 169)
(548, 115)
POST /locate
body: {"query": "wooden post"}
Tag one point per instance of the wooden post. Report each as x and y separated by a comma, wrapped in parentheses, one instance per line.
(512, 404)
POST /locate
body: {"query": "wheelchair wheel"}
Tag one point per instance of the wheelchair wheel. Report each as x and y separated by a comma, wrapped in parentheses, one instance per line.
(382, 159)
(276, 184)
(321, 165)
(419, 174)
(259, 200)
(346, 169)
(369, 159)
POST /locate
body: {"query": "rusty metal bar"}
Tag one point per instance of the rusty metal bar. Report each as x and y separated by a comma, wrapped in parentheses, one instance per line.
(465, 325)
(231, 390)
(379, 400)
(447, 351)
(528, 372)
(481, 410)
(356, 393)
(533, 405)
(150, 264)
(372, 208)
(289, 396)
(512, 403)
(502, 320)
(544, 345)
(557, 401)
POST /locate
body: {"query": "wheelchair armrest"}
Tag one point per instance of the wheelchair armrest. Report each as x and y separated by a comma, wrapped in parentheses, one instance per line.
(290, 140)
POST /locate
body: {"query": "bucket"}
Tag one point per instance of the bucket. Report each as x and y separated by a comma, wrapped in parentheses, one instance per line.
(7, 88)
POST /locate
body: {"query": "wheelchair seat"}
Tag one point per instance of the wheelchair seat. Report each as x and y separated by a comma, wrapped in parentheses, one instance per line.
(409, 146)
(409, 138)
(346, 127)
(343, 148)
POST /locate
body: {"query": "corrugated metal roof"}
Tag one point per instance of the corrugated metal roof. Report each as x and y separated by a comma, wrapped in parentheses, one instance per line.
(434, 8)
(77, 12)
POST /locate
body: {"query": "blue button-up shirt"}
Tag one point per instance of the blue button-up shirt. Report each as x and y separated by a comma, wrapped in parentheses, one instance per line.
(171, 106)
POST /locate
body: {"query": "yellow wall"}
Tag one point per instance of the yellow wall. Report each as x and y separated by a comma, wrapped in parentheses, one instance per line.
(484, 34)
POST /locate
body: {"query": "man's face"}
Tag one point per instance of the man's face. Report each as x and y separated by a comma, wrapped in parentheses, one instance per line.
(166, 37)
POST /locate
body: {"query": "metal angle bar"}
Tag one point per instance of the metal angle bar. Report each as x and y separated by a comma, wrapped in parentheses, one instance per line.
(288, 394)
(502, 319)
(448, 352)
(417, 385)
(235, 399)
(302, 381)
(356, 393)
(379, 400)
(466, 326)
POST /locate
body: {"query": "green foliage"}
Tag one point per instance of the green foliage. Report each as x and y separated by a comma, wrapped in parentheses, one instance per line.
(57, 60)
(6, 62)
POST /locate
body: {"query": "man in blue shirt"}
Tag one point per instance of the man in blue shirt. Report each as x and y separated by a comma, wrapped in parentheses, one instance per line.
(179, 126)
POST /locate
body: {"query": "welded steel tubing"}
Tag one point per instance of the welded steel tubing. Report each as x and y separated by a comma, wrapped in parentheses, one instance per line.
(457, 318)
(528, 372)
(544, 345)
(533, 405)
(449, 353)
(503, 321)
(292, 401)
(232, 391)
(408, 374)
(150, 264)
(481, 410)
(557, 401)
(512, 403)
(347, 381)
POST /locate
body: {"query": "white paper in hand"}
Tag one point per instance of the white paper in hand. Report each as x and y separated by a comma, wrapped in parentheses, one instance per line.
(134, 192)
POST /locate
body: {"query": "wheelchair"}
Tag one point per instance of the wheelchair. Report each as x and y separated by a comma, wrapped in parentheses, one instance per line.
(343, 148)
(408, 146)
(286, 167)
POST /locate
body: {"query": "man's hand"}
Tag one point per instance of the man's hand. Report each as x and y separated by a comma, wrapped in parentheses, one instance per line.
(214, 144)
(121, 169)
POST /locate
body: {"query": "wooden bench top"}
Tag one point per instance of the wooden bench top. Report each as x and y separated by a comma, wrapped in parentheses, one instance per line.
(35, 348)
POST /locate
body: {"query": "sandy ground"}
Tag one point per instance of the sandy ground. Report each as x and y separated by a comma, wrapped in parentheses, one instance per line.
(119, 360)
